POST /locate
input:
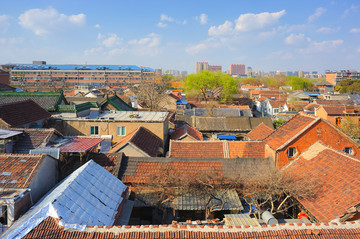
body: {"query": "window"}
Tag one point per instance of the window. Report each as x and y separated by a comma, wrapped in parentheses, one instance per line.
(291, 152)
(121, 131)
(338, 121)
(348, 150)
(94, 130)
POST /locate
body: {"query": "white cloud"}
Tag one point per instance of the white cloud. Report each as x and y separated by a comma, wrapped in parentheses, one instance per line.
(43, 21)
(247, 23)
(358, 50)
(195, 49)
(116, 51)
(328, 30)
(165, 17)
(318, 13)
(224, 29)
(162, 25)
(203, 18)
(351, 9)
(93, 51)
(112, 41)
(250, 22)
(11, 41)
(323, 46)
(151, 41)
(209, 43)
(97, 26)
(4, 23)
(296, 39)
(355, 30)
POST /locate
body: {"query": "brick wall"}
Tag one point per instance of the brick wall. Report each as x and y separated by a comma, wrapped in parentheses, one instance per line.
(320, 131)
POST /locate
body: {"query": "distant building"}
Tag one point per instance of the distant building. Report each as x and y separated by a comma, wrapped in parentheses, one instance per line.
(237, 69)
(202, 66)
(335, 77)
(173, 72)
(70, 76)
(158, 72)
(184, 73)
(300, 74)
(215, 68)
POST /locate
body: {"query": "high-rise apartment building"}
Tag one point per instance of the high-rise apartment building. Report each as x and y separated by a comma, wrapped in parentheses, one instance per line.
(237, 69)
(202, 66)
(215, 68)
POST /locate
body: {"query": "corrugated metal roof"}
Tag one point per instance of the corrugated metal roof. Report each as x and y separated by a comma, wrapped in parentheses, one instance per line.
(89, 196)
(81, 67)
(4, 134)
(81, 144)
(240, 219)
(198, 201)
(133, 116)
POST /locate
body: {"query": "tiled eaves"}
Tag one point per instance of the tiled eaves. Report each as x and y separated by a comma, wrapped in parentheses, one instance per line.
(224, 228)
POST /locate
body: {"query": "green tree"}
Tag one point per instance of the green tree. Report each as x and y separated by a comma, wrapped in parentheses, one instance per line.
(278, 122)
(299, 83)
(349, 127)
(206, 82)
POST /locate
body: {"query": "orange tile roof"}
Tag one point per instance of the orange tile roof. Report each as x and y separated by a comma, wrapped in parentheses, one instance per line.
(18, 170)
(260, 132)
(216, 149)
(338, 175)
(186, 130)
(289, 130)
(246, 149)
(196, 149)
(50, 228)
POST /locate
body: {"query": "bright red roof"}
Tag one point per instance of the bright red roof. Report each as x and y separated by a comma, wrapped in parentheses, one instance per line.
(81, 144)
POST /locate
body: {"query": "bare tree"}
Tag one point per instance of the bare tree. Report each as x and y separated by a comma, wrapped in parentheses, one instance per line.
(151, 94)
(275, 191)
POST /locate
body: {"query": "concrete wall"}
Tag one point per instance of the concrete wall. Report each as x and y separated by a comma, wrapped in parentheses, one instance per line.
(46, 177)
(132, 151)
(106, 127)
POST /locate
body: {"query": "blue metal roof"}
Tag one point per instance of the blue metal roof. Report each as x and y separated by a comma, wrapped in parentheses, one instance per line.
(311, 94)
(81, 67)
(182, 102)
(223, 136)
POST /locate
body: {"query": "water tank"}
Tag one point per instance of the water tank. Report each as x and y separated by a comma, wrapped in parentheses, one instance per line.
(268, 218)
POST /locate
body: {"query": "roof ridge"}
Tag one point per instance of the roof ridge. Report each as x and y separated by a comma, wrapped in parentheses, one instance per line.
(220, 227)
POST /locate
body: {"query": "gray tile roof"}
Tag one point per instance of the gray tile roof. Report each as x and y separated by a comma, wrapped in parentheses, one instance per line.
(47, 100)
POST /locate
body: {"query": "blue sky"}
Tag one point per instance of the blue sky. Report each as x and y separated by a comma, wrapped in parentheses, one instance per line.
(266, 35)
